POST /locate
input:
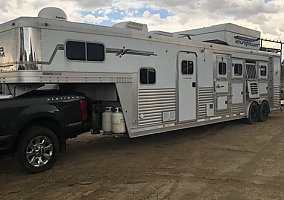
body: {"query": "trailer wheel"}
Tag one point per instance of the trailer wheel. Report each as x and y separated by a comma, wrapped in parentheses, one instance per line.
(37, 149)
(264, 111)
(253, 114)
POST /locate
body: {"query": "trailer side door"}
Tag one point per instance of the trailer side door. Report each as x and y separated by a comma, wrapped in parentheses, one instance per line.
(187, 86)
(222, 83)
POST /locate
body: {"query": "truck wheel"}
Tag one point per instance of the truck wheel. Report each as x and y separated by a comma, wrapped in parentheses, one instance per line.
(253, 114)
(264, 111)
(37, 149)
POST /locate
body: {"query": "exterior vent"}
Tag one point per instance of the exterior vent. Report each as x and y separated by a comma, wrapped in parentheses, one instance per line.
(163, 33)
(132, 25)
(253, 89)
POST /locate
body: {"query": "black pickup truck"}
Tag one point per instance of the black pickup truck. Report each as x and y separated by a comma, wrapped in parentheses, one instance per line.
(36, 125)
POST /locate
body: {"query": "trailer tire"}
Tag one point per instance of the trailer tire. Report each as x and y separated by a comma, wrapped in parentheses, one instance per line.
(264, 111)
(37, 150)
(253, 114)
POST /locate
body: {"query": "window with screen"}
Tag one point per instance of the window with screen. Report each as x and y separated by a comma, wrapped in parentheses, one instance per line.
(222, 68)
(187, 67)
(147, 76)
(238, 69)
(263, 71)
(85, 51)
(251, 71)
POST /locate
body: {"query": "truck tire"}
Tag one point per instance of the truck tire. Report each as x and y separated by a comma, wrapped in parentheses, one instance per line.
(253, 114)
(264, 111)
(37, 149)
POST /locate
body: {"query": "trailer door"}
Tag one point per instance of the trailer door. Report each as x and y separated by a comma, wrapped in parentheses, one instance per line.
(187, 86)
(237, 82)
(222, 83)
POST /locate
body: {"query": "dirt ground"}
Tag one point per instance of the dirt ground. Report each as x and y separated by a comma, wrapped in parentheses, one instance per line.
(223, 161)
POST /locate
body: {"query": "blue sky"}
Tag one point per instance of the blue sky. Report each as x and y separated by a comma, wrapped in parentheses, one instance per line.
(117, 14)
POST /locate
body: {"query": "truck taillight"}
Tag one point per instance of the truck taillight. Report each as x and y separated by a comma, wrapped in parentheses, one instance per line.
(84, 109)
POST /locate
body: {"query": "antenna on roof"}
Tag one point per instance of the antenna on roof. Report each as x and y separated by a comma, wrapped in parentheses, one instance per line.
(52, 13)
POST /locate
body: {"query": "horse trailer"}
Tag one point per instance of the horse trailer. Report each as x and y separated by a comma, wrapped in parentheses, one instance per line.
(161, 81)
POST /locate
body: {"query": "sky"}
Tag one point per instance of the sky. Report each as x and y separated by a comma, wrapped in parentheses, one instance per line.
(266, 16)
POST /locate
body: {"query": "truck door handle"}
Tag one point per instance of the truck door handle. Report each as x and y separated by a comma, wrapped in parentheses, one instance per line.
(220, 86)
(193, 84)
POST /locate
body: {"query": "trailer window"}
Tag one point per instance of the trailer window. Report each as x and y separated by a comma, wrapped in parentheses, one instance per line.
(251, 71)
(147, 76)
(95, 52)
(238, 69)
(75, 50)
(263, 71)
(222, 68)
(187, 67)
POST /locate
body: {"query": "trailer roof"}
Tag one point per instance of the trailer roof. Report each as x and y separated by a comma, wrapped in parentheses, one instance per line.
(45, 23)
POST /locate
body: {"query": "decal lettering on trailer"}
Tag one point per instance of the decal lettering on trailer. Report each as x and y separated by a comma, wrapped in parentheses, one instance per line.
(246, 43)
(2, 52)
(124, 51)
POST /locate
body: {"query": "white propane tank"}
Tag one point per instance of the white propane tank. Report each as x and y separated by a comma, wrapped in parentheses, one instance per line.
(106, 122)
(118, 124)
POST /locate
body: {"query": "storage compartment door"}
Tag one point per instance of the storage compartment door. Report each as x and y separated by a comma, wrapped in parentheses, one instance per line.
(263, 88)
(222, 103)
(237, 93)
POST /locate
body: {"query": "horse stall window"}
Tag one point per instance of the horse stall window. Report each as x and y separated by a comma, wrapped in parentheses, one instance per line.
(238, 69)
(147, 76)
(76, 50)
(263, 71)
(251, 70)
(222, 68)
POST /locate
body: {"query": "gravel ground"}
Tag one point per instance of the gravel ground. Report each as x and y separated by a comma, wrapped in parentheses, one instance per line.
(229, 160)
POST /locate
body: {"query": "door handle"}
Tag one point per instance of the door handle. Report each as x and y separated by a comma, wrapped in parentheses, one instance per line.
(193, 84)
(220, 86)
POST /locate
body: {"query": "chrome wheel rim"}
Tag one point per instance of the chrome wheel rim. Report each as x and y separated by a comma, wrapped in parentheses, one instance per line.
(39, 151)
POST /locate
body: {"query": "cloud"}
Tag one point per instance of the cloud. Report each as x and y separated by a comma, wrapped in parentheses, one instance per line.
(146, 14)
(241, 8)
(91, 19)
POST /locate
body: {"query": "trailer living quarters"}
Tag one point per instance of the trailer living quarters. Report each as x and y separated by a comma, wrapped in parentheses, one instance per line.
(162, 81)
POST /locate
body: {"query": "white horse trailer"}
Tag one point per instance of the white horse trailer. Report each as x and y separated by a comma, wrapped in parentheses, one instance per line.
(162, 81)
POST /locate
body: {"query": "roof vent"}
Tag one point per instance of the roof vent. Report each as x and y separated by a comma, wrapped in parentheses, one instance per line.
(132, 26)
(162, 33)
(53, 13)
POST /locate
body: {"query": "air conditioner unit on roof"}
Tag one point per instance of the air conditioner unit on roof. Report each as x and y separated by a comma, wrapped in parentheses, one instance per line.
(132, 26)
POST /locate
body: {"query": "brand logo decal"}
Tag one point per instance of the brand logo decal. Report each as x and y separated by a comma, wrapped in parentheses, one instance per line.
(248, 42)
